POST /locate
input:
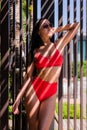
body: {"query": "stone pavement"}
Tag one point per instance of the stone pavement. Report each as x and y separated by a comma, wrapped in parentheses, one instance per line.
(71, 124)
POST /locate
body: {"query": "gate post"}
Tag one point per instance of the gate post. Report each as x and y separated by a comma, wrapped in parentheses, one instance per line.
(4, 24)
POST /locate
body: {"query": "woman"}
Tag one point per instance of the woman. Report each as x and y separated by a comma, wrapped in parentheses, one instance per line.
(39, 89)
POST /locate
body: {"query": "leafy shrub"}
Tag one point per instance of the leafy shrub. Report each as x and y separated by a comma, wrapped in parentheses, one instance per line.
(78, 69)
(10, 112)
(65, 111)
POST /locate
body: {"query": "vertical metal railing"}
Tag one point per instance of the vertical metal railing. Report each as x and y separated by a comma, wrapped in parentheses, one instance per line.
(13, 58)
(68, 69)
(34, 10)
(5, 36)
(47, 11)
(60, 87)
(20, 49)
(75, 67)
(13, 64)
(86, 64)
(81, 64)
(0, 63)
(27, 30)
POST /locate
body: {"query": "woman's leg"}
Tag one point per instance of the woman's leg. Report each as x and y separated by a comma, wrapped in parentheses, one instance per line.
(32, 108)
(46, 113)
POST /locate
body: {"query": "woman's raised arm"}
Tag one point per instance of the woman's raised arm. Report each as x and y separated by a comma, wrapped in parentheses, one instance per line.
(68, 36)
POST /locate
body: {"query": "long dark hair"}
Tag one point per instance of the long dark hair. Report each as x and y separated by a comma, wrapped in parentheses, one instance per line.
(36, 40)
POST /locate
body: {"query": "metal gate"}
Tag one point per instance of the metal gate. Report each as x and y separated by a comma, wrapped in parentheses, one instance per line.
(17, 18)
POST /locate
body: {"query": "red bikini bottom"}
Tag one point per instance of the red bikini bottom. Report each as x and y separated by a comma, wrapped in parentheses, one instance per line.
(43, 88)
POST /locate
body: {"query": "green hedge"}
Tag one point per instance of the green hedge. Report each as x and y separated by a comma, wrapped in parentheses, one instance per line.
(78, 69)
(64, 111)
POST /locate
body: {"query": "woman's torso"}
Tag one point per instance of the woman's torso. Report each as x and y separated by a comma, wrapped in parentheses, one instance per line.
(49, 69)
(50, 74)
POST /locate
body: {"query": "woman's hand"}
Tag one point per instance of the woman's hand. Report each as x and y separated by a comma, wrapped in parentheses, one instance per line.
(15, 107)
(53, 31)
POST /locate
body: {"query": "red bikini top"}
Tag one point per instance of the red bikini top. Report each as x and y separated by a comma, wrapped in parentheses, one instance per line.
(56, 59)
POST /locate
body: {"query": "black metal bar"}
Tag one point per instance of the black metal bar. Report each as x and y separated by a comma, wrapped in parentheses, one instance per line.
(0, 65)
(68, 69)
(86, 64)
(75, 68)
(13, 64)
(34, 12)
(27, 30)
(27, 48)
(20, 60)
(60, 91)
(21, 42)
(81, 64)
(17, 58)
(5, 36)
(47, 10)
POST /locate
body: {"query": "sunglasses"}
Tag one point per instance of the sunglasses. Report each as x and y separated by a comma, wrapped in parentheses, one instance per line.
(46, 25)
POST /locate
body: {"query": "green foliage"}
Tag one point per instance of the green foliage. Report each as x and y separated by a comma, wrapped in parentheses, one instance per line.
(78, 69)
(10, 112)
(24, 6)
(24, 17)
(30, 8)
(65, 111)
(10, 108)
(10, 80)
